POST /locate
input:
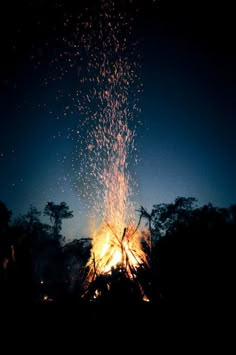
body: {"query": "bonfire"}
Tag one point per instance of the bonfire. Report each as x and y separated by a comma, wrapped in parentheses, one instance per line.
(107, 150)
(115, 264)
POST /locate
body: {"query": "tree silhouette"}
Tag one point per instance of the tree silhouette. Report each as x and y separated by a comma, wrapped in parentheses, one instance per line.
(166, 217)
(5, 250)
(191, 261)
(56, 213)
(31, 217)
(5, 216)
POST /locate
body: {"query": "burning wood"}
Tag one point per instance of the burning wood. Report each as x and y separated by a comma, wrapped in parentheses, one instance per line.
(114, 265)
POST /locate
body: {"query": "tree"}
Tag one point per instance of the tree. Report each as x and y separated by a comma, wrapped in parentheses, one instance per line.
(56, 213)
(5, 249)
(5, 216)
(165, 217)
(32, 216)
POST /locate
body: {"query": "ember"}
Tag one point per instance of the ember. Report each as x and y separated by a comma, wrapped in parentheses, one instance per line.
(109, 103)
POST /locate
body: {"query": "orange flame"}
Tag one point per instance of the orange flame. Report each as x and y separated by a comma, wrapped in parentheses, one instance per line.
(117, 242)
(110, 251)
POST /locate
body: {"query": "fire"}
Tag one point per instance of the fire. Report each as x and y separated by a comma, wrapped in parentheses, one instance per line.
(114, 254)
(106, 147)
(112, 251)
(117, 242)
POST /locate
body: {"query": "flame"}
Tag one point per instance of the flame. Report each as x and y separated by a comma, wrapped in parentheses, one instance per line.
(117, 243)
(110, 251)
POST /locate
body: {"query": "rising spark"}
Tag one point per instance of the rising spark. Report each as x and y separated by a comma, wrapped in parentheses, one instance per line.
(106, 100)
(108, 105)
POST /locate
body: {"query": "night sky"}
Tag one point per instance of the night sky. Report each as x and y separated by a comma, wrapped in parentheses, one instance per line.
(186, 143)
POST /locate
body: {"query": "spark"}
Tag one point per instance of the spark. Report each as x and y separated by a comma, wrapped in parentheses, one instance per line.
(108, 104)
(103, 60)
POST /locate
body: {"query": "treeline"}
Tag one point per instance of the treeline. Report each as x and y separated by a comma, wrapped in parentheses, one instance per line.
(191, 255)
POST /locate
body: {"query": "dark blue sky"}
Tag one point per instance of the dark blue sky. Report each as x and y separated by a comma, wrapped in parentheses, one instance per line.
(187, 141)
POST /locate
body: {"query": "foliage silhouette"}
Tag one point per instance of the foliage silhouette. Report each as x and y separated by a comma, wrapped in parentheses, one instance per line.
(5, 216)
(56, 213)
(191, 259)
